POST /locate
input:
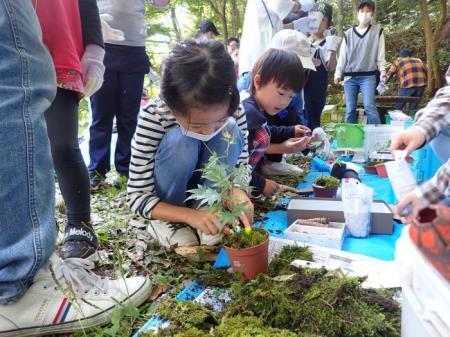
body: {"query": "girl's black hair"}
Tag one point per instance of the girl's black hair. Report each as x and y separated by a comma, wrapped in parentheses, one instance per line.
(282, 67)
(197, 74)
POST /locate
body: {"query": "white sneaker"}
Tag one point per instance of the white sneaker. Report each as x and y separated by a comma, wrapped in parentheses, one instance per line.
(170, 234)
(280, 169)
(47, 309)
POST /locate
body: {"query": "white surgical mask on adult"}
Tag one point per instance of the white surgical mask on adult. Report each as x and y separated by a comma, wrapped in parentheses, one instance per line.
(202, 137)
(364, 18)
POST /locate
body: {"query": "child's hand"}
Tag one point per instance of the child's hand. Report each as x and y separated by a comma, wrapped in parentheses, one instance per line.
(241, 197)
(302, 131)
(204, 221)
(271, 188)
(295, 145)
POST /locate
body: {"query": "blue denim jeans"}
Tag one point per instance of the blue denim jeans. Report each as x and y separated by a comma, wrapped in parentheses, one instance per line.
(409, 92)
(179, 156)
(27, 88)
(366, 85)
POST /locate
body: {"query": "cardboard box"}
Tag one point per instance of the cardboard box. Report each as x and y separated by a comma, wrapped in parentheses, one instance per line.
(309, 208)
(331, 237)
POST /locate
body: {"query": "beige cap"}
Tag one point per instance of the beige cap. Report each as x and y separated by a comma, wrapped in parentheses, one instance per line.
(297, 42)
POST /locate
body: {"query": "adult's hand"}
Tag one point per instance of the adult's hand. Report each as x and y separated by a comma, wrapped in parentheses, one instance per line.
(409, 140)
(413, 203)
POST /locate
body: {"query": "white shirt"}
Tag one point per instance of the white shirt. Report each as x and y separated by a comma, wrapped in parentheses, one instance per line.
(258, 29)
(342, 60)
(324, 53)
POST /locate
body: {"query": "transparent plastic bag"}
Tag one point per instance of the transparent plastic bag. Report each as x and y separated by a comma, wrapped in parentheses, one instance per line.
(357, 204)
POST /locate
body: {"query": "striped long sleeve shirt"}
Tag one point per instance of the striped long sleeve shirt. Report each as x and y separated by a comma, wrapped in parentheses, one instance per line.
(431, 120)
(154, 121)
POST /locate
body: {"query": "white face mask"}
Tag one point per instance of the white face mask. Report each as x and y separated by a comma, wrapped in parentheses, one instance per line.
(364, 18)
(327, 32)
(202, 137)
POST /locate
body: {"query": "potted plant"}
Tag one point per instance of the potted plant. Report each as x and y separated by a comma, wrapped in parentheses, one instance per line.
(247, 249)
(381, 170)
(370, 167)
(326, 187)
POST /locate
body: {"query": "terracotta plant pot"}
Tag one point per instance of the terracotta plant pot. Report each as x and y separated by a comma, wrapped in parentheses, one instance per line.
(324, 192)
(370, 168)
(381, 170)
(250, 262)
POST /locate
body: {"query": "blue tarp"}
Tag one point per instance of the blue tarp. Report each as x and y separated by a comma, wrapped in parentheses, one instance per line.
(376, 245)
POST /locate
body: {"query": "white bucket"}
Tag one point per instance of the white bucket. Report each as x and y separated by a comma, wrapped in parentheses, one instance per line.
(426, 294)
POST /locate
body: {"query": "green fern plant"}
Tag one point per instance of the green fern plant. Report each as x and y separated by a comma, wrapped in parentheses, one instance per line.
(222, 179)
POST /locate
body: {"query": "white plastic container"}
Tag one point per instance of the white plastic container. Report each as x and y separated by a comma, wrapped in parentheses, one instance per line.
(378, 137)
(426, 294)
(331, 237)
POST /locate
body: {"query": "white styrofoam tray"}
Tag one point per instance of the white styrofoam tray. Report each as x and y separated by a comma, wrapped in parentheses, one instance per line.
(331, 237)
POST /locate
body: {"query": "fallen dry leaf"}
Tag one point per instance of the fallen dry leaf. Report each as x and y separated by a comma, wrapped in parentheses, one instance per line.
(191, 253)
(157, 291)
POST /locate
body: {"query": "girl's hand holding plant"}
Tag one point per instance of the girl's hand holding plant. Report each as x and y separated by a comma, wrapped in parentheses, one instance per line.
(240, 197)
(204, 220)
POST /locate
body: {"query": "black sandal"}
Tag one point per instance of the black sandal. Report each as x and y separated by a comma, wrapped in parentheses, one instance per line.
(80, 241)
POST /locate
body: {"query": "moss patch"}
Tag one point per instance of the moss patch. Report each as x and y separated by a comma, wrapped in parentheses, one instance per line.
(245, 240)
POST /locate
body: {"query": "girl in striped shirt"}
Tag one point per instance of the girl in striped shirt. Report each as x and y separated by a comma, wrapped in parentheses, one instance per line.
(175, 137)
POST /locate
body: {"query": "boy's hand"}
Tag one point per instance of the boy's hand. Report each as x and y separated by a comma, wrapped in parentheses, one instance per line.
(204, 221)
(271, 188)
(295, 145)
(302, 131)
(337, 80)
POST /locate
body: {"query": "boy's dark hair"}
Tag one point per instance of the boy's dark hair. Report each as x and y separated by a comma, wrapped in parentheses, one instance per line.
(198, 74)
(231, 39)
(367, 3)
(282, 67)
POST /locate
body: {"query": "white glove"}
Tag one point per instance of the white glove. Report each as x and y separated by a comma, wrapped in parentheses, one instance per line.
(382, 88)
(305, 25)
(108, 32)
(93, 68)
(333, 42)
(306, 5)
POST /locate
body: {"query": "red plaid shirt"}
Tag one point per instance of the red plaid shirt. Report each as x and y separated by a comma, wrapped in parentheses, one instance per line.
(411, 72)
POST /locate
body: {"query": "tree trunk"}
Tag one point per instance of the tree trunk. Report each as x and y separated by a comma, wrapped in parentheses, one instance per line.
(222, 14)
(176, 27)
(355, 4)
(234, 18)
(435, 80)
(223, 18)
(340, 18)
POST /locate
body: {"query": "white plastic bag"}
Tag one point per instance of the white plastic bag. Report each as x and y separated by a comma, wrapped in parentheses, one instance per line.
(357, 204)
